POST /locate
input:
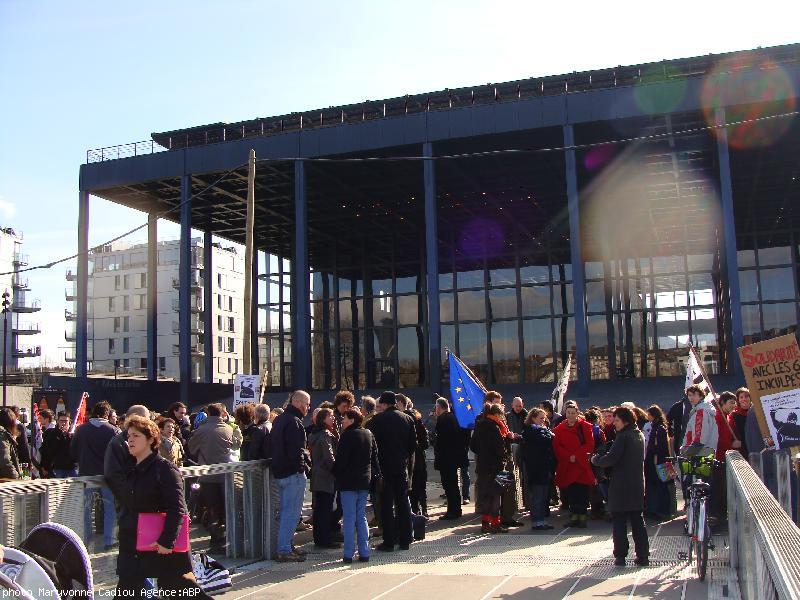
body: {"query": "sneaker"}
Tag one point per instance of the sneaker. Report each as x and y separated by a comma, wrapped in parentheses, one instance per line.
(446, 517)
(302, 527)
(619, 561)
(498, 529)
(486, 527)
(465, 501)
(642, 562)
(298, 551)
(285, 557)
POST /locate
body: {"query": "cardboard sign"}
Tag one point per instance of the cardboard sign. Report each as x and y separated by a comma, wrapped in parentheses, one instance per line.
(782, 411)
(770, 367)
(245, 389)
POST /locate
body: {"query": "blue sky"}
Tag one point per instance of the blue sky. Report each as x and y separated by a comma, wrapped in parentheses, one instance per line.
(79, 74)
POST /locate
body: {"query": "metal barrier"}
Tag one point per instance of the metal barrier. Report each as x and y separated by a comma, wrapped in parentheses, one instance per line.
(250, 506)
(763, 538)
(775, 469)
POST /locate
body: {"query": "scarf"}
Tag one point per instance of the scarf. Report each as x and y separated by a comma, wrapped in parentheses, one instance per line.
(740, 411)
(501, 424)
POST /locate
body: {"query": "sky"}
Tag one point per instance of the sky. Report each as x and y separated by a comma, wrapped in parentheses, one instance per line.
(81, 74)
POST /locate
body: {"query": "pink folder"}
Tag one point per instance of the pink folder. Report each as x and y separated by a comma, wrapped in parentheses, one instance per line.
(150, 527)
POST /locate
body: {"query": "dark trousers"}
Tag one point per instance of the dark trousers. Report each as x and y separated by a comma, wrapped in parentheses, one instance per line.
(719, 494)
(322, 517)
(576, 495)
(176, 586)
(465, 479)
(449, 475)
(395, 510)
(508, 501)
(620, 534)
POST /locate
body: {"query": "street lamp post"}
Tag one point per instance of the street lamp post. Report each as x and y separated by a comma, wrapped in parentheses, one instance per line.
(6, 305)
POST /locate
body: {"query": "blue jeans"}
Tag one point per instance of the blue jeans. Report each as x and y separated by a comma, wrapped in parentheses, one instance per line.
(539, 498)
(64, 473)
(109, 513)
(291, 490)
(354, 523)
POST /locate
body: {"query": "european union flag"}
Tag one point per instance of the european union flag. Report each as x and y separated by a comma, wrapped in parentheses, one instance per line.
(466, 393)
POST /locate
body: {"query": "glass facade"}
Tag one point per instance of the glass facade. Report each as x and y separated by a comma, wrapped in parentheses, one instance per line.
(275, 322)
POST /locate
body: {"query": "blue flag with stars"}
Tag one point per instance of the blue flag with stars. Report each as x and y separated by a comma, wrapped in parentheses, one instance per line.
(466, 393)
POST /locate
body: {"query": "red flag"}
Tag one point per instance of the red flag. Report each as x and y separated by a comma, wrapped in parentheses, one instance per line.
(80, 415)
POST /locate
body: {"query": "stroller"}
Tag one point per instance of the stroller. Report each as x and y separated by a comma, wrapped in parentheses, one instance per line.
(52, 562)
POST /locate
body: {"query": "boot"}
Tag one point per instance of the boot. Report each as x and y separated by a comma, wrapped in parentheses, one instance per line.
(486, 524)
(423, 506)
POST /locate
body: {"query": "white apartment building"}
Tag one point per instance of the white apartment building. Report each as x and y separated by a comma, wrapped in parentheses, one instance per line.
(20, 340)
(117, 312)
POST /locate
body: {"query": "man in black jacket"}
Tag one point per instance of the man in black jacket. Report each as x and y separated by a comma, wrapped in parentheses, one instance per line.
(396, 437)
(56, 460)
(450, 452)
(290, 465)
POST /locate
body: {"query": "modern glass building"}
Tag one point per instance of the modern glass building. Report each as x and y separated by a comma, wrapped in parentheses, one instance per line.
(612, 216)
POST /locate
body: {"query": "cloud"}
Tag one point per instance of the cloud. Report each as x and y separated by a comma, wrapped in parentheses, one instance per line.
(7, 209)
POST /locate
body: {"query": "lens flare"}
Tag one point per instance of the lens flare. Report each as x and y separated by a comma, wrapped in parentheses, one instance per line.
(479, 236)
(660, 97)
(598, 157)
(749, 90)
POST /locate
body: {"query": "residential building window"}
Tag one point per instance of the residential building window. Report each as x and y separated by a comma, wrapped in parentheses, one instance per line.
(111, 304)
(162, 363)
(126, 323)
(230, 344)
(126, 345)
(116, 324)
(126, 302)
(111, 348)
(219, 344)
(126, 363)
(143, 300)
(219, 322)
(117, 279)
(230, 323)
(219, 300)
(142, 280)
(235, 365)
(143, 364)
(126, 281)
(230, 303)
(230, 365)
(219, 280)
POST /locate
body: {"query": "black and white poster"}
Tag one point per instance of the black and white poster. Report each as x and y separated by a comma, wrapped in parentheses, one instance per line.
(782, 411)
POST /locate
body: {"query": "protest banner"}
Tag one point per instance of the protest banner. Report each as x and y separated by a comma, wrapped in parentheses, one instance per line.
(781, 411)
(770, 367)
(245, 390)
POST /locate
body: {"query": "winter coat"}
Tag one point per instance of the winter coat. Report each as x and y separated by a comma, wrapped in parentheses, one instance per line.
(725, 435)
(492, 455)
(419, 473)
(322, 444)
(88, 445)
(9, 459)
(516, 421)
(752, 433)
(395, 434)
(288, 442)
(450, 442)
(738, 420)
(172, 451)
(538, 458)
(625, 460)
(117, 463)
(152, 486)
(23, 446)
(257, 442)
(702, 428)
(211, 444)
(578, 441)
(55, 451)
(356, 463)
(677, 417)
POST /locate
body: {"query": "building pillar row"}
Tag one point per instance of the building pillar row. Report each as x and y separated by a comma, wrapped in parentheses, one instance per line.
(82, 310)
(185, 290)
(432, 268)
(578, 271)
(152, 297)
(208, 308)
(301, 316)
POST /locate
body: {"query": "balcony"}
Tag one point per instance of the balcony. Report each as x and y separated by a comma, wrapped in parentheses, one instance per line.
(196, 305)
(196, 350)
(20, 284)
(195, 327)
(29, 307)
(71, 294)
(195, 281)
(70, 336)
(69, 315)
(26, 329)
(21, 260)
(27, 352)
(71, 275)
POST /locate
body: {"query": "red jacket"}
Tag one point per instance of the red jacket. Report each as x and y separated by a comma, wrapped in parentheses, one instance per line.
(725, 442)
(567, 442)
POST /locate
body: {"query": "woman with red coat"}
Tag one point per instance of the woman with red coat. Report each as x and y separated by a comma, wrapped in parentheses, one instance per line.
(573, 444)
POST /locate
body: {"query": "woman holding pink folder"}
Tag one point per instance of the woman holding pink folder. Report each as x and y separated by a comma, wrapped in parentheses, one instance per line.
(152, 499)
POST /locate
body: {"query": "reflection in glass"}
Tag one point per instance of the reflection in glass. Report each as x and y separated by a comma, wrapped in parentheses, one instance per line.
(505, 351)
(411, 353)
(382, 311)
(472, 348)
(751, 323)
(408, 310)
(598, 347)
(700, 262)
(562, 299)
(565, 344)
(748, 286)
(471, 306)
(534, 273)
(562, 272)
(746, 258)
(470, 279)
(446, 308)
(409, 284)
(779, 319)
(445, 281)
(502, 303)
(779, 255)
(595, 296)
(777, 284)
(448, 333)
(671, 291)
(537, 340)
(668, 264)
(500, 277)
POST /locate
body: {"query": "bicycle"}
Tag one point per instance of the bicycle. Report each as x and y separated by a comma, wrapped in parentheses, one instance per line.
(700, 469)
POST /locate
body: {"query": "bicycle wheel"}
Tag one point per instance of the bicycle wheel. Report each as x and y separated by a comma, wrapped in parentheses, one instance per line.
(702, 554)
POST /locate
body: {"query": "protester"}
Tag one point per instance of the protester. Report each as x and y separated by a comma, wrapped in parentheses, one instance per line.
(245, 416)
(9, 457)
(177, 412)
(47, 419)
(113, 420)
(677, 418)
(56, 459)
(290, 467)
(395, 435)
(516, 423)
(492, 456)
(553, 418)
(88, 447)
(211, 444)
(322, 444)
(701, 427)
(418, 494)
(449, 452)
(367, 408)
(538, 462)
(152, 486)
(626, 487)
(21, 437)
(516, 416)
(657, 492)
(259, 437)
(738, 418)
(170, 448)
(596, 496)
(355, 468)
(342, 402)
(573, 443)
(609, 431)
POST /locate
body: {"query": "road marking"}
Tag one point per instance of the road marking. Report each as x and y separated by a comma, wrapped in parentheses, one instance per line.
(639, 576)
(497, 587)
(683, 588)
(258, 590)
(398, 586)
(325, 587)
(574, 585)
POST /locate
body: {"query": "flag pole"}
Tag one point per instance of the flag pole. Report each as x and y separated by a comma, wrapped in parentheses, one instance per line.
(715, 400)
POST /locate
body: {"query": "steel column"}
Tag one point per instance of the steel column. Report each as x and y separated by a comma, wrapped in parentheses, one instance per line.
(254, 361)
(208, 308)
(736, 338)
(301, 321)
(184, 291)
(432, 269)
(578, 274)
(152, 297)
(82, 310)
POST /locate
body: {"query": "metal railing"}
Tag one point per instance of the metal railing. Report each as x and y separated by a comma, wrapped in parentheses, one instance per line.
(763, 538)
(250, 506)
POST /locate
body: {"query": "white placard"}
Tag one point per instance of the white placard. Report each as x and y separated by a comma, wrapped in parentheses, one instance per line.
(782, 412)
(245, 389)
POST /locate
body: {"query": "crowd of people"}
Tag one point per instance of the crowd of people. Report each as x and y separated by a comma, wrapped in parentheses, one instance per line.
(597, 463)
